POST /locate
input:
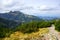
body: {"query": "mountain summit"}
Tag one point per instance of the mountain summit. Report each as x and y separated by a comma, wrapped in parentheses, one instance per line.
(18, 16)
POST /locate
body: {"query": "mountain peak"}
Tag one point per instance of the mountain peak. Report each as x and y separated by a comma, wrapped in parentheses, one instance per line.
(18, 16)
(15, 12)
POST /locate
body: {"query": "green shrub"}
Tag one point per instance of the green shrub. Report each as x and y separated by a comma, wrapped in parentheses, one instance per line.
(57, 25)
(33, 26)
(29, 27)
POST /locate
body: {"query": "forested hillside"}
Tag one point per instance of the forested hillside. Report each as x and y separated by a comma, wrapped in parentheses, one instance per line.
(8, 23)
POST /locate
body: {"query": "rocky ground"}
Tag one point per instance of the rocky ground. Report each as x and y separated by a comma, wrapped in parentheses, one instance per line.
(53, 34)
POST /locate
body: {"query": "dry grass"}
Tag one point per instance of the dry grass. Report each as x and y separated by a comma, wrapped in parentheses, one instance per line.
(32, 36)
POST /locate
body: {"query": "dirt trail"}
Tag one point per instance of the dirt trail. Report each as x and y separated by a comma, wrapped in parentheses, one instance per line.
(53, 34)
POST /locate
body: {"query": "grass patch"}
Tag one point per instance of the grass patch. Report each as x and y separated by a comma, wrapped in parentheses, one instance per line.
(21, 36)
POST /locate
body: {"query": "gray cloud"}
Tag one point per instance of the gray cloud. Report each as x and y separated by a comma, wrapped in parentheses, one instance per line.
(31, 6)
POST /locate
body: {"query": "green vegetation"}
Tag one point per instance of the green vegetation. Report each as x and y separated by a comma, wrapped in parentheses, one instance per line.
(32, 26)
(24, 28)
(5, 32)
(5, 27)
(29, 27)
(57, 25)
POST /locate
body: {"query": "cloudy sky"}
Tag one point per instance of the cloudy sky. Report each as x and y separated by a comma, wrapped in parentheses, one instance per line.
(32, 7)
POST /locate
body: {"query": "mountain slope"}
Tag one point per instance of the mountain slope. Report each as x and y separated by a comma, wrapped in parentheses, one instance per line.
(7, 23)
(18, 16)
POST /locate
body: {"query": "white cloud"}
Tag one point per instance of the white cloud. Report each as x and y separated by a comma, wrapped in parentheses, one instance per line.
(43, 7)
(7, 2)
(31, 6)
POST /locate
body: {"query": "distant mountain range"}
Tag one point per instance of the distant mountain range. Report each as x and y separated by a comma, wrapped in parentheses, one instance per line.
(48, 18)
(18, 16)
(14, 18)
